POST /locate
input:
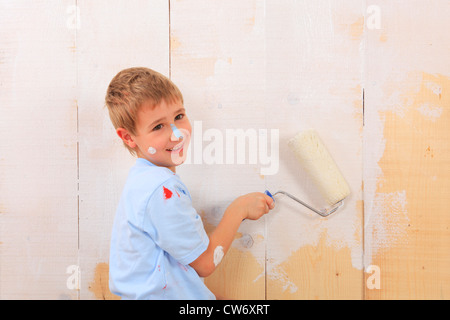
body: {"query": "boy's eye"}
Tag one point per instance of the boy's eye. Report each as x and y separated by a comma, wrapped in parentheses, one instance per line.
(179, 117)
(159, 126)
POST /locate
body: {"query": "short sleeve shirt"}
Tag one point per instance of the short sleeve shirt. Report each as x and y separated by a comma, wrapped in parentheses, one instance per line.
(156, 235)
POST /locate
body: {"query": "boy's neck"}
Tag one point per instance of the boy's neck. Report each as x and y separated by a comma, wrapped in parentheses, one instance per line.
(173, 168)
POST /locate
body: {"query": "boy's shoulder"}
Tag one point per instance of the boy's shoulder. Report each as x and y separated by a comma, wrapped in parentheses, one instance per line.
(145, 177)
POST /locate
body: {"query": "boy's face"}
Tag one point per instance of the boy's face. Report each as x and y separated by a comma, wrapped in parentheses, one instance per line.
(156, 139)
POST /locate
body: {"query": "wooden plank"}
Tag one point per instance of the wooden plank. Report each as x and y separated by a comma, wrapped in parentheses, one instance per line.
(110, 38)
(38, 151)
(313, 81)
(217, 60)
(255, 68)
(253, 73)
(407, 177)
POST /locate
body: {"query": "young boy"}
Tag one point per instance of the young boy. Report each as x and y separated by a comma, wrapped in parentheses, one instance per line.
(159, 248)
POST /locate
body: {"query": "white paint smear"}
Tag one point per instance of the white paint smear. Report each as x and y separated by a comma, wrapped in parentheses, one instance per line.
(218, 255)
(430, 112)
(434, 87)
(387, 223)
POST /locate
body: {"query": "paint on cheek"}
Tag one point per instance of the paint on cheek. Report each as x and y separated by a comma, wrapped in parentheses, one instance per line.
(218, 255)
(167, 193)
(151, 150)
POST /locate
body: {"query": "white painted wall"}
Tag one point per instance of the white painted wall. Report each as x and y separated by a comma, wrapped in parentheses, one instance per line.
(265, 67)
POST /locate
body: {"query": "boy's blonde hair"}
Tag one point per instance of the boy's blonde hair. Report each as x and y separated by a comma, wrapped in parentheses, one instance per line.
(130, 88)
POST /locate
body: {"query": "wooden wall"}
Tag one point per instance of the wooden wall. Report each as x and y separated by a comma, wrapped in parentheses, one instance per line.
(372, 77)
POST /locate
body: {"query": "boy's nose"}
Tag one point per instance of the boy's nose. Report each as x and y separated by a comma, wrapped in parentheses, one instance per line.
(176, 133)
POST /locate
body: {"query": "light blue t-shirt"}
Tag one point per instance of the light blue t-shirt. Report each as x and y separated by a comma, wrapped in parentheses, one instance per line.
(156, 235)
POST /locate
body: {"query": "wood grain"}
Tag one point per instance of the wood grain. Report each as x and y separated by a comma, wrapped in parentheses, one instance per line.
(111, 38)
(38, 151)
(371, 77)
(407, 178)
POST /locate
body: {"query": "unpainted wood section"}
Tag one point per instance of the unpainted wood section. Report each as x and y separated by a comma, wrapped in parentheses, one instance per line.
(415, 168)
(241, 65)
(407, 177)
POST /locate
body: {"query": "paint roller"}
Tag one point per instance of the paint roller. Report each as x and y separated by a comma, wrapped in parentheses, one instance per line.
(317, 161)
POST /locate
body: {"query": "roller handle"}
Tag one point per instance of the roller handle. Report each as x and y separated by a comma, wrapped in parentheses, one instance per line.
(267, 192)
(323, 213)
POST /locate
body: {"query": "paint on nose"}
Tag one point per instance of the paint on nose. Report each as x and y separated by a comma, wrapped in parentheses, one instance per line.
(176, 132)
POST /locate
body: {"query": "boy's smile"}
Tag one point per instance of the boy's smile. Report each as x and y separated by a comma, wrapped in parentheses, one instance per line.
(162, 134)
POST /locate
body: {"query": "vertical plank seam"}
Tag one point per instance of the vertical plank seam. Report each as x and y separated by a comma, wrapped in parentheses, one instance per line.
(78, 144)
(266, 234)
(363, 79)
(363, 106)
(170, 45)
(362, 209)
(265, 259)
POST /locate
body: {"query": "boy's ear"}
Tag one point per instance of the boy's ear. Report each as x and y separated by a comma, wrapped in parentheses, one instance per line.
(126, 137)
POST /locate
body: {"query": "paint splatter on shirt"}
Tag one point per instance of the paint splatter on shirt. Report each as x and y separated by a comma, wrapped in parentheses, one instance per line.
(167, 193)
(171, 235)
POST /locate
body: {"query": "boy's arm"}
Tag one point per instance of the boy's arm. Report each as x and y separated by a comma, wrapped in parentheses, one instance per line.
(251, 206)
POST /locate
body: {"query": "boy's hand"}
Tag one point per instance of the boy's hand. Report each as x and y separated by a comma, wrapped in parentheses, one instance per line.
(253, 205)
(250, 206)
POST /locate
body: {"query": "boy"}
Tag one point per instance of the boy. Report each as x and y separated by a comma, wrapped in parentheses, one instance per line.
(159, 248)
